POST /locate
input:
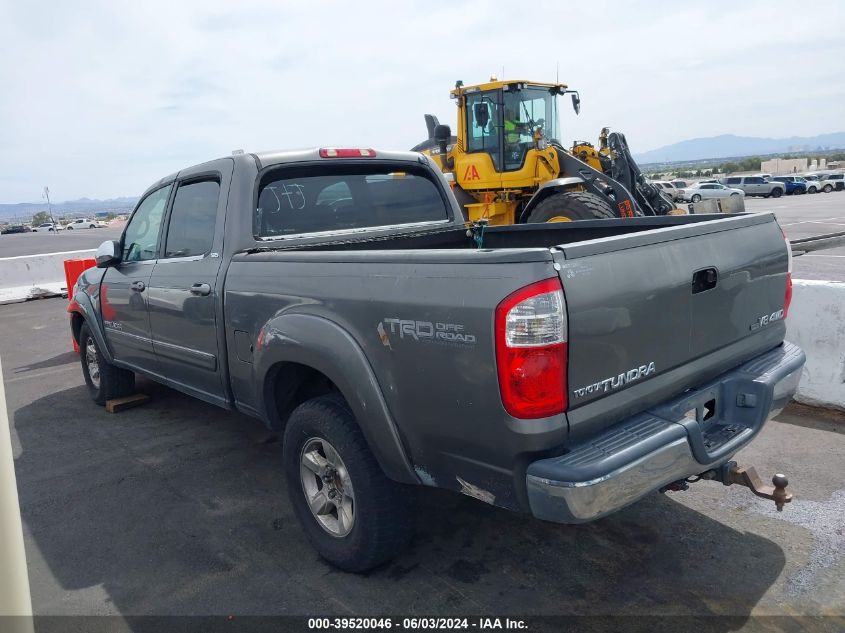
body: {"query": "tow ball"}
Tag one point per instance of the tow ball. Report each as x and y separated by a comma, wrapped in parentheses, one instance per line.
(731, 473)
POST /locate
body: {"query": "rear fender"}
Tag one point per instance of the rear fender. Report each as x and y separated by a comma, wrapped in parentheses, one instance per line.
(323, 345)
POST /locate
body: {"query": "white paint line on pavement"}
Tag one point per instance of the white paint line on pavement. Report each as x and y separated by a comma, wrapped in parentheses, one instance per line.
(28, 376)
(816, 221)
(811, 255)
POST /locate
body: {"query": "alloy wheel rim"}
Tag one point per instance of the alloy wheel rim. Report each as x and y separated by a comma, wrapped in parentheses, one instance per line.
(327, 487)
(93, 363)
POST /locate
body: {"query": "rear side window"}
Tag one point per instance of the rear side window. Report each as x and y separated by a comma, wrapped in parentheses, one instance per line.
(192, 219)
(296, 200)
(754, 180)
(733, 181)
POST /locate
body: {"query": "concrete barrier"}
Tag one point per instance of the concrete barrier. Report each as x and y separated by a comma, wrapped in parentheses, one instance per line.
(816, 322)
(32, 276)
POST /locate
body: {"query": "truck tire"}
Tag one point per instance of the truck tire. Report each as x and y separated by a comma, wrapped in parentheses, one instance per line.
(567, 206)
(353, 515)
(777, 192)
(104, 380)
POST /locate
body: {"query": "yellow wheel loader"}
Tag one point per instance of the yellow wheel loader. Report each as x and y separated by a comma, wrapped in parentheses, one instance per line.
(506, 164)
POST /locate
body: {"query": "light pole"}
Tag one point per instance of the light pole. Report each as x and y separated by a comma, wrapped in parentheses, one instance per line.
(50, 209)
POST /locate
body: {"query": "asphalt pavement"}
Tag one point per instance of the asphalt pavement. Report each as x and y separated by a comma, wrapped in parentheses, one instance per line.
(39, 243)
(178, 507)
(807, 216)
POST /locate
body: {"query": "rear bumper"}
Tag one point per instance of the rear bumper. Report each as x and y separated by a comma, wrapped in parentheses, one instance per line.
(688, 435)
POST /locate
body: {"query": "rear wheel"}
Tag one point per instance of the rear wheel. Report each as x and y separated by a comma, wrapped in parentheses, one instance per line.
(695, 198)
(105, 381)
(571, 205)
(827, 188)
(354, 516)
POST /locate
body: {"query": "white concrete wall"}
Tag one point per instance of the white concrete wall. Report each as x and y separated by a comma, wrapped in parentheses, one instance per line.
(816, 322)
(29, 276)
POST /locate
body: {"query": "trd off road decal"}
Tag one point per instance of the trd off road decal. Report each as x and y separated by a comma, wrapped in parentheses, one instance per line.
(422, 332)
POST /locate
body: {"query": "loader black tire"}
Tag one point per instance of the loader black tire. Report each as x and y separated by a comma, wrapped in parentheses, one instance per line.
(567, 206)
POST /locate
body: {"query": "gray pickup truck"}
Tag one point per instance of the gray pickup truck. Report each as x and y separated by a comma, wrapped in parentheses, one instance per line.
(563, 369)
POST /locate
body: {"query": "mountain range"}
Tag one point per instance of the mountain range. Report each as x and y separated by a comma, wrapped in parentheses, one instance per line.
(25, 210)
(731, 146)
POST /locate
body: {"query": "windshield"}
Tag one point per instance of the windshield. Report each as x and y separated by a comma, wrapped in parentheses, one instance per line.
(529, 108)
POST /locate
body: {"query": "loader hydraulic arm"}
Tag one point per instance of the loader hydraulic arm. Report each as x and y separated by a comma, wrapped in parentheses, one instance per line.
(624, 169)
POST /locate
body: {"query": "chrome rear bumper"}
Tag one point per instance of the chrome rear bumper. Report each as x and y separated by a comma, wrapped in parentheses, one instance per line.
(693, 433)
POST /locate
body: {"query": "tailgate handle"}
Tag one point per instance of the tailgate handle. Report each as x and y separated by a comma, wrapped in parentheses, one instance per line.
(704, 280)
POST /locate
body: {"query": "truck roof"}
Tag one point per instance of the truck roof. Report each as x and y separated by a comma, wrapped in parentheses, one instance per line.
(275, 157)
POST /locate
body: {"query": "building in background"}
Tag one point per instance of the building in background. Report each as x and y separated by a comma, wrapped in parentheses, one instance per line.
(785, 166)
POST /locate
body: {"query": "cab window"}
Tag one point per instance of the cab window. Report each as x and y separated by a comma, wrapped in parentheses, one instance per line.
(192, 219)
(297, 200)
(140, 239)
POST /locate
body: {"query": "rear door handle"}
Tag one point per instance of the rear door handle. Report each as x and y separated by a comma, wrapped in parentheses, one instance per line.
(138, 286)
(201, 290)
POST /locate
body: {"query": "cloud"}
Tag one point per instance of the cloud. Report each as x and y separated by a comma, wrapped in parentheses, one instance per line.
(102, 98)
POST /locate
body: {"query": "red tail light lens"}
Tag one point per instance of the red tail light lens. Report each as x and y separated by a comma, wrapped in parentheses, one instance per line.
(347, 152)
(787, 299)
(531, 350)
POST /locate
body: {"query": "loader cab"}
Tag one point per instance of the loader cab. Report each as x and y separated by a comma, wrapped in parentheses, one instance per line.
(501, 121)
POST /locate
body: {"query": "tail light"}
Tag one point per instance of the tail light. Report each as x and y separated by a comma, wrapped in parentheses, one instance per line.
(531, 350)
(346, 152)
(787, 299)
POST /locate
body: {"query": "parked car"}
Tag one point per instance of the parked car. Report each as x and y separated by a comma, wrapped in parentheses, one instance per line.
(707, 190)
(667, 187)
(47, 227)
(16, 228)
(85, 223)
(681, 184)
(813, 183)
(755, 186)
(794, 184)
(832, 182)
(339, 297)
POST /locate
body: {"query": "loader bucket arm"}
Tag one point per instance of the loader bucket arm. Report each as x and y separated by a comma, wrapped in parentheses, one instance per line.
(624, 169)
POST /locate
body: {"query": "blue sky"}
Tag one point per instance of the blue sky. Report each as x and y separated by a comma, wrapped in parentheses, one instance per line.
(99, 99)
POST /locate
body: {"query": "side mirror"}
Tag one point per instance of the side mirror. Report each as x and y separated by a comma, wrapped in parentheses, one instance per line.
(576, 102)
(481, 113)
(442, 133)
(108, 254)
(442, 136)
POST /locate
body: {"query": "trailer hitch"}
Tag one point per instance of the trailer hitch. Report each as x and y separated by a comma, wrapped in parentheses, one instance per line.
(731, 473)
